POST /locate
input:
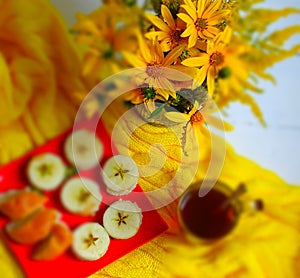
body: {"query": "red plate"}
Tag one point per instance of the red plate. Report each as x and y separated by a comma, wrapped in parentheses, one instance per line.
(12, 176)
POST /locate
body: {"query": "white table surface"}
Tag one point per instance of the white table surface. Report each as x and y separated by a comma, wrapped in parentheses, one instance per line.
(277, 146)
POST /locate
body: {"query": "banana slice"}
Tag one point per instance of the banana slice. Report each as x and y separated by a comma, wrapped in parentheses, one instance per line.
(83, 149)
(120, 175)
(81, 196)
(90, 241)
(46, 171)
(122, 219)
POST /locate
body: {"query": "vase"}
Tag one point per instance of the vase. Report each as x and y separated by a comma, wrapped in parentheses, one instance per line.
(167, 164)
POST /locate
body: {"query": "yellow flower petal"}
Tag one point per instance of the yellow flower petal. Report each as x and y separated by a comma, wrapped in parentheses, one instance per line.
(157, 55)
(187, 73)
(193, 38)
(168, 17)
(213, 7)
(87, 25)
(200, 7)
(213, 30)
(158, 23)
(173, 55)
(177, 117)
(196, 61)
(162, 92)
(190, 4)
(166, 44)
(190, 11)
(225, 37)
(90, 62)
(179, 73)
(133, 59)
(184, 17)
(159, 35)
(188, 31)
(218, 16)
(152, 82)
(211, 80)
(206, 35)
(202, 73)
(165, 84)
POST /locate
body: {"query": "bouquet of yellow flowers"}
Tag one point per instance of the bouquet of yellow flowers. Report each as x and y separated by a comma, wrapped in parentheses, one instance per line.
(222, 45)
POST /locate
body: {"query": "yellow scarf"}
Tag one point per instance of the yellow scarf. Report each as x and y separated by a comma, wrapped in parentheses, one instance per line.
(40, 76)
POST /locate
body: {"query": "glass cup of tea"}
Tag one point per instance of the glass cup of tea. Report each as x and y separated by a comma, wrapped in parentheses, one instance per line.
(215, 214)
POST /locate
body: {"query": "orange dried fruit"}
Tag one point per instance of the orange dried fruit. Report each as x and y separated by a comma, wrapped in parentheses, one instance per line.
(57, 242)
(18, 204)
(34, 227)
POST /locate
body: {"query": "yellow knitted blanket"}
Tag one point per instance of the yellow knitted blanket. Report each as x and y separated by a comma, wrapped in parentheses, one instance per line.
(39, 81)
(264, 244)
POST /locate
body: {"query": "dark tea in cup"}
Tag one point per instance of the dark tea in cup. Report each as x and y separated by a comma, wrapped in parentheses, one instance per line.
(211, 216)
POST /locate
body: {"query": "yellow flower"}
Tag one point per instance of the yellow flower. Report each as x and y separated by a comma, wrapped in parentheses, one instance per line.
(169, 34)
(102, 35)
(155, 66)
(147, 96)
(202, 19)
(197, 118)
(212, 61)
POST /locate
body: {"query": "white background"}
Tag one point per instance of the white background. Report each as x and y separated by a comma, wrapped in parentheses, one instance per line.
(277, 146)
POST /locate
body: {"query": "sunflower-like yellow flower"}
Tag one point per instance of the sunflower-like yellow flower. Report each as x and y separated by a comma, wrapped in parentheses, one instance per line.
(212, 61)
(202, 19)
(102, 35)
(169, 30)
(197, 118)
(154, 66)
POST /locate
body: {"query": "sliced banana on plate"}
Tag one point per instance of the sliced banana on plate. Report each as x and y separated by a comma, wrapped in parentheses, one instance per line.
(90, 241)
(120, 175)
(122, 219)
(81, 196)
(46, 171)
(83, 149)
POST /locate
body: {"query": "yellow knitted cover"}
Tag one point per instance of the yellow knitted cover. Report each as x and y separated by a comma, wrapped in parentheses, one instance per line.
(37, 102)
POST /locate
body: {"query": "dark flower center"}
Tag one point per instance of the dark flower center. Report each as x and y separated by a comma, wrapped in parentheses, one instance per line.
(216, 59)
(201, 23)
(154, 71)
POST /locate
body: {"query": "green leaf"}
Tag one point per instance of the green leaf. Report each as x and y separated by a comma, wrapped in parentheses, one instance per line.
(157, 111)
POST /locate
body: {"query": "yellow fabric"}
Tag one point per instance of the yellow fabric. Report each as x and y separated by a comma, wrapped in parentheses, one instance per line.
(40, 75)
